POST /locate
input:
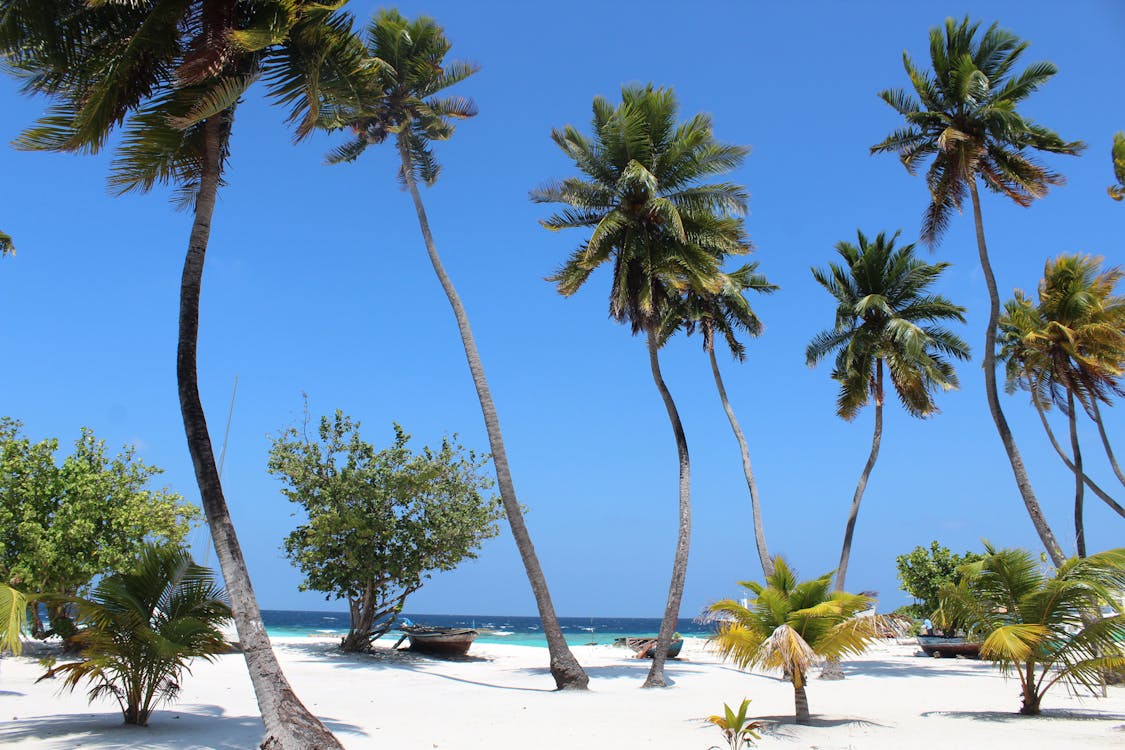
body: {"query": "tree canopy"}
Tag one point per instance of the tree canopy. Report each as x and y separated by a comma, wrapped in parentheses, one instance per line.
(379, 522)
(924, 572)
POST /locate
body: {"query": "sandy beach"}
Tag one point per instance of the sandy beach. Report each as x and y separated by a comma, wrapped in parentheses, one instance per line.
(500, 697)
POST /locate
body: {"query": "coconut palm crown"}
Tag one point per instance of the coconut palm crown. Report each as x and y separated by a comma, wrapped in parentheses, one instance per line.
(790, 624)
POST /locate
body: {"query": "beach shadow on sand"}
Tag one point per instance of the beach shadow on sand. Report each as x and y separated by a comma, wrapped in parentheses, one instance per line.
(188, 727)
(1069, 714)
(782, 727)
(924, 668)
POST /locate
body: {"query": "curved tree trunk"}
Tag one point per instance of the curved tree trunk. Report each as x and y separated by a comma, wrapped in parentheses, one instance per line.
(1070, 464)
(566, 670)
(755, 505)
(1105, 441)
(289, 725)
(656, 676)
(1079, 485)
(1014, 458)
(876, 440)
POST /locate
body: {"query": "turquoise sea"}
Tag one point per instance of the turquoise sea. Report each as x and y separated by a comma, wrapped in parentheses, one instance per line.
(522, 631)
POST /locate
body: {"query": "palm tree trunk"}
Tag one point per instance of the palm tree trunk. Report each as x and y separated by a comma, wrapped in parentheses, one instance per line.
(876, 440)
(801, 704)
(755, 505)
(1079, 485)
(289, 725)
(566, 670)
(1014, 458)
(656, 676)
(1105, 441)
(1070, 464)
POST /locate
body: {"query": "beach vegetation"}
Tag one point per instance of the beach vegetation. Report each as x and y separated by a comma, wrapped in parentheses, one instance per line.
(739, 730)
(64, 523)
(923, 573)
(788, 625)
(727, 312)
(1067, 349)
(141, 629)
(1045, 626)
(168, 77)
(888, 323)
(13, 618)
(405, 100)
(1117, 153)
(7, 246)
(379, 522)
(654, 217)
(963, 119)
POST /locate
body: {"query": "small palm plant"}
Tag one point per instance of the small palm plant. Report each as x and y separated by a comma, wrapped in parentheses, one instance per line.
(143, 627)
(739, 730)
(789, 625)
(1046, 626)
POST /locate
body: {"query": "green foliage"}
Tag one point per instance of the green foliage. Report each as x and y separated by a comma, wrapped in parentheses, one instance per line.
(965, 119)
(1117, 192)
(7, 247)
(13, 617)
(788, 624)
(739, 730)
(1044, 625)
(141, 629)
(923, 573)
(379, 522)
(725, 312)
(61, 525)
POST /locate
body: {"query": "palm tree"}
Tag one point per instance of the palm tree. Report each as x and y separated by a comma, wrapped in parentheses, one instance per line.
(665, 231)
(143, 627)
(727, 312)
(171, 73)
(790, 624)
(1045, 627)
(965, 118)
(6, 245)
(886, 318)
(13, 618)
(402, 100)
(1117, 192)
(1069, 350)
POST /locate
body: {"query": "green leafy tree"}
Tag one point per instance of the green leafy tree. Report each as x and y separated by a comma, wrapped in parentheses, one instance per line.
(964, 120)
(405, 101)
(727, 312)
(379, 522)
(1046, 626)
(1069, 350)
(142, 628)
(923, 573)
(170, 74)
(1117, 192)
(887, 318)
(789, 624)
(63, 524)
(664, 230)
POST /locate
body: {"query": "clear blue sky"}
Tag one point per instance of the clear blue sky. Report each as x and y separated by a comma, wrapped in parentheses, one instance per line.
(317, 281)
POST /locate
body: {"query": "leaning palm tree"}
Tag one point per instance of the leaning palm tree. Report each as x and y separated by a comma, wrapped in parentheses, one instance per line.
(965, 119)
(171, 74)
(142, 628)
(887, 318)
(727, 312)
(663, 229)
(1069, 350)
(789, 625)
(403, 101)
(1047, 627)
(1117, 192)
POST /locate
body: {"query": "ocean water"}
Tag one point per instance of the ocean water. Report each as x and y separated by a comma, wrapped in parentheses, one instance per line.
(522, 631)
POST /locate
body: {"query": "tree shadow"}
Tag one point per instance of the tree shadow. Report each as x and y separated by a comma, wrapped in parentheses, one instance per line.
(879, 668)
(378, 657)
(187, 727)
(1070, 714)
(780, 725)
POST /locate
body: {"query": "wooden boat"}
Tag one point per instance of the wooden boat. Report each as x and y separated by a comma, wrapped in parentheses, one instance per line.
(646, 647)
(938, 646)
(435, 640)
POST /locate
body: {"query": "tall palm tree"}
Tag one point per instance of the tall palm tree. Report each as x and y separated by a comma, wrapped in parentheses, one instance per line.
(664, 230)
(727, 312)
(886, 318)
(790, 624)
(1117, 192)
(1045, 627)
(1069, 350)
(403, 101)
(171, 74)
(965, 118)
(143, 627)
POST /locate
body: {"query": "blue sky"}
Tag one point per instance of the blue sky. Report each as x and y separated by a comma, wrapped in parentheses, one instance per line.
(317, 282)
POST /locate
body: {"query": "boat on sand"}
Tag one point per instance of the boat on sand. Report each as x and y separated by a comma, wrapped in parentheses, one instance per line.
(435, 640)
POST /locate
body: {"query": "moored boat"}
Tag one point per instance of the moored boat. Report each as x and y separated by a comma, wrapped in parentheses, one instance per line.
(435, 640)
(646, 647)
(938, 646)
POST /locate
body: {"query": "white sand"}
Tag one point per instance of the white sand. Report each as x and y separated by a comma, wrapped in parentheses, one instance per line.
(504, 700)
